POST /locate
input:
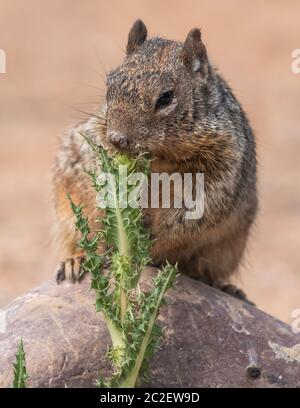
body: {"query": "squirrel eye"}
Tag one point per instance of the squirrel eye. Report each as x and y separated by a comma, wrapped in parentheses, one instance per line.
(164, 100)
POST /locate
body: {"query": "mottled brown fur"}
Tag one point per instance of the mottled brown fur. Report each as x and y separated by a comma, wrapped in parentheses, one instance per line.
(201, 129)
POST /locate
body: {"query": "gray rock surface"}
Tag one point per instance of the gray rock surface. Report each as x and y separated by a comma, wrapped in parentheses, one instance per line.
(211, 340)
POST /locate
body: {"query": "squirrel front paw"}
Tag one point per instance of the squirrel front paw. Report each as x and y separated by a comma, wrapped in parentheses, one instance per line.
(71, 269)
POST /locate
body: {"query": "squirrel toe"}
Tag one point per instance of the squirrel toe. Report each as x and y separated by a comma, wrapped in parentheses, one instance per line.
(71, 269)
(232, 290)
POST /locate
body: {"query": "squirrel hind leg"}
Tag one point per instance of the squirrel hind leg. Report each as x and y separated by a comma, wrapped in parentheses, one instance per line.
(214, 266)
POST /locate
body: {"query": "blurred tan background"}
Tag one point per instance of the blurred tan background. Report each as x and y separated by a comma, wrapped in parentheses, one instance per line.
(57, 53)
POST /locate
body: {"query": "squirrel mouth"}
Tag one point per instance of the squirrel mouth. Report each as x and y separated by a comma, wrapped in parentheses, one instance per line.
(121, 142)
(134, 151)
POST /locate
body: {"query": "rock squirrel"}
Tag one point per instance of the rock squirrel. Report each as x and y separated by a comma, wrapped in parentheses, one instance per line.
(168, 100)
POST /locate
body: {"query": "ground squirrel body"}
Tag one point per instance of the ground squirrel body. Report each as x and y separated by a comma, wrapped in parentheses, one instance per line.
(168, 100)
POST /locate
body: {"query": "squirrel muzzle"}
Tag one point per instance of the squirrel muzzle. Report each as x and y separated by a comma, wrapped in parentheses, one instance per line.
(118, 139)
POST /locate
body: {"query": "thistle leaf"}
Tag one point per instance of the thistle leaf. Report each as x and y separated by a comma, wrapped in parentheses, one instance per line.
(20, 374)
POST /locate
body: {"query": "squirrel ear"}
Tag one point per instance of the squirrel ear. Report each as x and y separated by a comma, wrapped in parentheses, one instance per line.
(137, 35)
(194, 52)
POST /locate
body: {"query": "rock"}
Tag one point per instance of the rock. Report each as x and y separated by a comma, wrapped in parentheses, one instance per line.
(212, 340)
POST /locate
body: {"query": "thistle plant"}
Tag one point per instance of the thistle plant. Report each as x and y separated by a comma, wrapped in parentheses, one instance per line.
(20, 374)
(129, 312)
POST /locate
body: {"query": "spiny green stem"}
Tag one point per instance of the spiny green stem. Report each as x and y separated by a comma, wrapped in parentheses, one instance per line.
(131, 378)
(124, 249)
(115, 334)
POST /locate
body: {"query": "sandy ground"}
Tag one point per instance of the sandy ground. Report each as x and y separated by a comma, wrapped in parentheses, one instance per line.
(57, 54)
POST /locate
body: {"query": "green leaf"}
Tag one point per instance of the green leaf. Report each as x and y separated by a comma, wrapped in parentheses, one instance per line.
(20, 374)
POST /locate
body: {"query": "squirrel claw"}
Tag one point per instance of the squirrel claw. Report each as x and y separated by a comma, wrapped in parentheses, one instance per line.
(71, 270)
(232, 290)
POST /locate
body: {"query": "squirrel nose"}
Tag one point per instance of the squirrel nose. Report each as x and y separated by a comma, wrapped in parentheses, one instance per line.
(118, 139)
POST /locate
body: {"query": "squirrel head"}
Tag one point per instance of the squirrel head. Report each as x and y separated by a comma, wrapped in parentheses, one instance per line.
(152, 98)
